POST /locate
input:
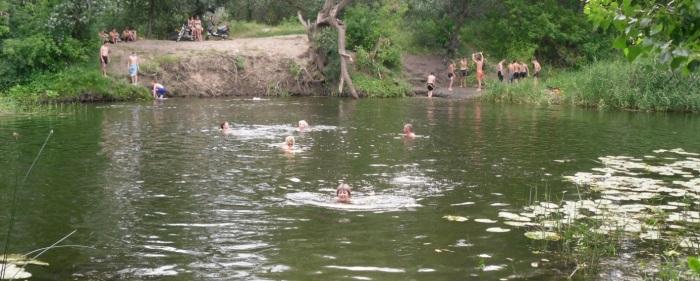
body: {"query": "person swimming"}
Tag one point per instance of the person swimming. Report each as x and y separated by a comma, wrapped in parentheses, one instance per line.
(288, 145)
(408, 131)
(225, 128)
(303, 125)
(342, 193)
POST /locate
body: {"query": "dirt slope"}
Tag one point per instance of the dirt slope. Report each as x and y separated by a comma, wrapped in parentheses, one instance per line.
(249, 66)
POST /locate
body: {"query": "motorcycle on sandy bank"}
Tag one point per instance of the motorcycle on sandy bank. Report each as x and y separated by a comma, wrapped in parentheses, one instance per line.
(218, 32)
(184, 34)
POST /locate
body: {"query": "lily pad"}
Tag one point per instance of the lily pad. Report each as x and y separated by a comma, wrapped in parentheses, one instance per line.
(14, 272)
(485, 221)
(455, 218)
(497, 229)
(542, 235)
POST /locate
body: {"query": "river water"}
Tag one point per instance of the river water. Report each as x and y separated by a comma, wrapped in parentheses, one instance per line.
(157, 192)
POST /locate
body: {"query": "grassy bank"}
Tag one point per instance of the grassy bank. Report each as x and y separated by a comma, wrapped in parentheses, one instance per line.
(74, 84)
(243, 29)
(604, 85)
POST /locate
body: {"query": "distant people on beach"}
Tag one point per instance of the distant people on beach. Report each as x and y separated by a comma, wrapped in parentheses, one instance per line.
(158, 90)
(288, 145)
(104, 57)
(463, 71)
(431, 84)
(537, 67)
(302, 126)
(479, 59)
(114, 36)
(451, 74)
(342, 193)
(225, 128)
(408, 131)
(500, 73)
(133, 67)
(197, 28)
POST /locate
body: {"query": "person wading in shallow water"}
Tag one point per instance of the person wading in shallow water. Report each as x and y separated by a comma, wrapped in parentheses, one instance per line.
(342, 193)
(431, 84)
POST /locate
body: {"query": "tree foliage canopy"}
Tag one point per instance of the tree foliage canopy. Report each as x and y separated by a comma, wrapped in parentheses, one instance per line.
(668, 29)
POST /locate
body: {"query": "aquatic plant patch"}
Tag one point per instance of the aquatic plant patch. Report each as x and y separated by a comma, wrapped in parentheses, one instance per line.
(651, 197)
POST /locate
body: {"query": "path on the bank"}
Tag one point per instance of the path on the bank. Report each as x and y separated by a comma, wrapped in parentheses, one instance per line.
(417, 68)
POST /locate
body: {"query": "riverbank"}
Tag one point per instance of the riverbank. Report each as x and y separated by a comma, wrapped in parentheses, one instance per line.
(619, 85)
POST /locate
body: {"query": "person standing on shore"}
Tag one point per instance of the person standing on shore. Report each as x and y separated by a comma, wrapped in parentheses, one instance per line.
(133, 66)
(463, 71)
(478, 59)
(451, 74)
(104, 57)
(537, 67)
(500, 70)
(511, 72)
(431, 84)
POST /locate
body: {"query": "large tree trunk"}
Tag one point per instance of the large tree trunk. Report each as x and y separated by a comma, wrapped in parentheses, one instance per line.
(459, 15)
(328, 16)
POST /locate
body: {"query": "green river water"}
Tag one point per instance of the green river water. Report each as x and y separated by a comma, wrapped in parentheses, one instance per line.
(158, 192)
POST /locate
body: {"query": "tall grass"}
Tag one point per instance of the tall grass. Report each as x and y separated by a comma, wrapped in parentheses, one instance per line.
(77, 83)
(617, 85)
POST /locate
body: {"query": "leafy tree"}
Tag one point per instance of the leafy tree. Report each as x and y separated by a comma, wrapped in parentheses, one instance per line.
(668, 30)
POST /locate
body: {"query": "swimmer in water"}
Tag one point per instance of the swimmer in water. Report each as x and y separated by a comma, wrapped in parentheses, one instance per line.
(303, 125)
(408, 131)
(288, 145)
(225, 128)
(342, 193)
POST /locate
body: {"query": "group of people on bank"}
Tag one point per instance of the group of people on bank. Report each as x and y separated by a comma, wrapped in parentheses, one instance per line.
(157, 90)
(513, 72)
(128, 35)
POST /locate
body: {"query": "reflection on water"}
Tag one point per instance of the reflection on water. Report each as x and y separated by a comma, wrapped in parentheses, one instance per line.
(162, 194)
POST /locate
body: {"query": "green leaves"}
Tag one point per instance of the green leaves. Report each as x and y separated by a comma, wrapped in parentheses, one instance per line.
(694, 265)
(670, 32)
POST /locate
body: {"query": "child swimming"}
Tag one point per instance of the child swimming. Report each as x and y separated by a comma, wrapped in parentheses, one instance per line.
(225, 128)
(288, 145)
(342, 193)
(303, 125)
(408, 131)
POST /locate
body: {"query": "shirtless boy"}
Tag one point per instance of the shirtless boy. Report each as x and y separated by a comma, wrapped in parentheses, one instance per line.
(511, 72)
(104, 57)
(478, 58)
(451, 74)
(133, 66)
(463, 71)
(537, 67)
(525, 70)
(500, 70)
(431, 84)
(408, 131)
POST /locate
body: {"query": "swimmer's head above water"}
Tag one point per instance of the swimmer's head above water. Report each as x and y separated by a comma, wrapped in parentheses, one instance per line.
(342, 193)
(289, 143)
(408, 131)
(225, 126)
(303, 125)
